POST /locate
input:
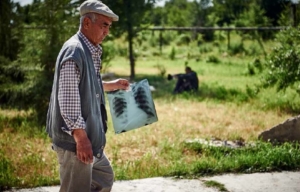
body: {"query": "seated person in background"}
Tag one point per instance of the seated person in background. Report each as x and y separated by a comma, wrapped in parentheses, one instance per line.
(185, 82)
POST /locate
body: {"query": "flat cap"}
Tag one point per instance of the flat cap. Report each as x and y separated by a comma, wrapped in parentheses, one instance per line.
(95, 6)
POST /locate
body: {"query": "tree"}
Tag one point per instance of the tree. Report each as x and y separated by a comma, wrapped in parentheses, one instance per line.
(205, 17)
(10, 32)
(273, 9)
(229, 10)
(254, 16)
(156, 16)
(11, 74)
(58, 17)
(131, 18)
(36, 61)
(283, 66)
(179, 13)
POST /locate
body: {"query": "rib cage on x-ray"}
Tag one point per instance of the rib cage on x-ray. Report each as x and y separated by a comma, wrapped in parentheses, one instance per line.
(133, 108)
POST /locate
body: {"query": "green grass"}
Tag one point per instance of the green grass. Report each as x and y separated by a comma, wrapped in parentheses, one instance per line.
(259, 157)
(6, 173)
(215, 184)
(210, 160)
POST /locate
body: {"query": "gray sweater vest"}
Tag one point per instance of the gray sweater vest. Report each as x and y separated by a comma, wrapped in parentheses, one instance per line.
(92, 99)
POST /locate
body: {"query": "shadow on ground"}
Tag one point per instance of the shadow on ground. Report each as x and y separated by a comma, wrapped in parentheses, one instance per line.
(164, 88)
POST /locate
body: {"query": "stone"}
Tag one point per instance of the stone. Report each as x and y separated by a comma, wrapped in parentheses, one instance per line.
(288, 131)
(218, 142)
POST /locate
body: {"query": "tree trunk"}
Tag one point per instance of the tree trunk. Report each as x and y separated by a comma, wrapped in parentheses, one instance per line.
(294, 13)
(131, 56)
(130, 40)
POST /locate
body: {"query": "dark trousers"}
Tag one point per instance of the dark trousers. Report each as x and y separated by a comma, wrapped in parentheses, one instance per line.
(182, 85)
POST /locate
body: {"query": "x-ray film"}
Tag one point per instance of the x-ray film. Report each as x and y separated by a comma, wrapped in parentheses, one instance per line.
(133, 108)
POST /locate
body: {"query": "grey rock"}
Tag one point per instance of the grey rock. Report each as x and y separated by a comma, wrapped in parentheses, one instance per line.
(288, 131)
(218, 142)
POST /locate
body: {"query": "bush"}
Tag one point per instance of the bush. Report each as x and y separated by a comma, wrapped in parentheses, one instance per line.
(283, 66)
(254, 67)
(109, 52)
(213, 59)
(236, 48)
(253, 50)
(162, 69)
(172, 54)
(7, 178)
(205, 49)
(183, 39)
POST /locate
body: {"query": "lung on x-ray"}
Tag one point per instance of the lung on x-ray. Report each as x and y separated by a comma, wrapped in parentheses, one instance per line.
(133, 108)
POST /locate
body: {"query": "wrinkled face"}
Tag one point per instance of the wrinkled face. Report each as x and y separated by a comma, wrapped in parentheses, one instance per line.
(98, 30)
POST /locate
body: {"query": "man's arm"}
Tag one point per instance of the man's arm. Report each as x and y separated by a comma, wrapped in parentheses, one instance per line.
(115, 84)
(71, 111)
(84, 150)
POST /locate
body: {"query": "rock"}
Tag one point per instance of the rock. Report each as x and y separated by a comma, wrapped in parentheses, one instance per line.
(288, 131)
(218, 142)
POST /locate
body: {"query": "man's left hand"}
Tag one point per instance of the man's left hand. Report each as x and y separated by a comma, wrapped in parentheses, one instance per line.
(116, 84)
(122, 84)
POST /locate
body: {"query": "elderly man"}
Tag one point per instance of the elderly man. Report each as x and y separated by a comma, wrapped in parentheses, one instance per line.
(76, 119)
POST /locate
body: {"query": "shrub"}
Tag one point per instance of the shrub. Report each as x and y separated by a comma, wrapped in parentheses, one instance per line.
(254, 67)
(172, 54)
(213, 59)
(283, 66)
(236, 48)
(162, 70)
(7, 178)
(108, 54)
(205, 49)
(183, 39)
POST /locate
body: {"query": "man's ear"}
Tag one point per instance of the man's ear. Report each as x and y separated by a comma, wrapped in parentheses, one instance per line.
(86, 23)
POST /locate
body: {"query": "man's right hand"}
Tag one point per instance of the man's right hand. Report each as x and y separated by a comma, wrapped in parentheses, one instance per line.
(84, 150)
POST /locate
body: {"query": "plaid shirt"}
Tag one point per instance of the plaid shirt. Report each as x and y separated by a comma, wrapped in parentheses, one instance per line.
(68, 91)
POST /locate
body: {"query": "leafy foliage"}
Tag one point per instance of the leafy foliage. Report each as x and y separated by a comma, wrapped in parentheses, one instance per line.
(33, 69)
(255, 16)
(10, 33)
(6, 172)
(283, 66)
(178, 12)
(229, 10)
(274, 9)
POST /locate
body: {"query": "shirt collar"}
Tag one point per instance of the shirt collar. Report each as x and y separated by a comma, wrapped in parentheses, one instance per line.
(93, 49)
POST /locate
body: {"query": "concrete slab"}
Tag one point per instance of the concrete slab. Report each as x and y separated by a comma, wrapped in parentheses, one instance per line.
(256, 182)
(260, 182)
(160, 184)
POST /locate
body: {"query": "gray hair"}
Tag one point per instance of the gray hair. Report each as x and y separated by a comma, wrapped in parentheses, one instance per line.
(91, 16)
